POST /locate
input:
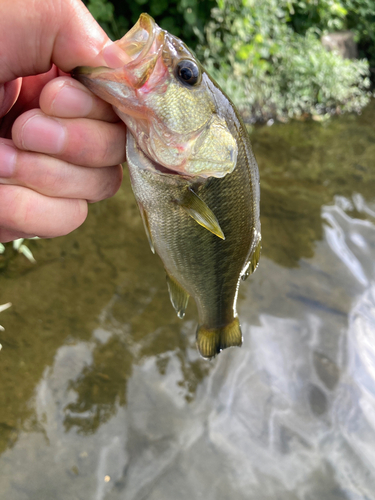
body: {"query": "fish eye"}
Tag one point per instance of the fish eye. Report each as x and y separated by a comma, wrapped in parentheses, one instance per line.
(188, 72)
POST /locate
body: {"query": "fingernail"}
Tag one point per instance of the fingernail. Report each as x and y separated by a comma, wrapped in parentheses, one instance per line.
(114, 56)
(44, 135)
(7, 161)
(71, 102)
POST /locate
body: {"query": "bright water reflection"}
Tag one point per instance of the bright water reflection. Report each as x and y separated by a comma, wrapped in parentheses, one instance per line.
(104, 396)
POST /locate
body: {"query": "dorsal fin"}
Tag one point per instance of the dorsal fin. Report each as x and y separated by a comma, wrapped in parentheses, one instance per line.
(201, 213)
(178, 296)
(146, 225)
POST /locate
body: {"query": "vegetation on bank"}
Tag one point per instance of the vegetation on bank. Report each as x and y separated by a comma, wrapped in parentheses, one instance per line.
(357, 16)
(266, 54)
(271, 70)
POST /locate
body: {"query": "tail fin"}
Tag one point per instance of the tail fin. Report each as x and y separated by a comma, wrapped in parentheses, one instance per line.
(210, 341)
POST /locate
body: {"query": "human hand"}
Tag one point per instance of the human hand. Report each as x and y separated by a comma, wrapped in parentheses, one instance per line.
(60, 146)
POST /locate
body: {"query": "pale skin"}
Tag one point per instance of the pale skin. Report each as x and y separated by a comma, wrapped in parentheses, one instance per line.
(60, 147)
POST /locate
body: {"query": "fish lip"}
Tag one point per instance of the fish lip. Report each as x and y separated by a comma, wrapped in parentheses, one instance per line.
(143, 44)
(136, 35)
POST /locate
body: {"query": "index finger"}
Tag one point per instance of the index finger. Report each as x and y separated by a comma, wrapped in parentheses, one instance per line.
(65, 97)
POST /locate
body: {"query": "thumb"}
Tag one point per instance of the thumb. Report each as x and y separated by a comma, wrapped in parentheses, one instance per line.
(36, 33)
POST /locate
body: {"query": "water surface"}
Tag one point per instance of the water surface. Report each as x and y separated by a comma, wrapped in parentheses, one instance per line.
(103, 395)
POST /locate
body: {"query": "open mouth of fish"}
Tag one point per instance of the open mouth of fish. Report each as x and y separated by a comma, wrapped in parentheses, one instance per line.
(143, 44)
(142, 47)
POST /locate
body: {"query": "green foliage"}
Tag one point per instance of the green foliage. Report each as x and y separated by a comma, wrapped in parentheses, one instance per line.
(270, 70)
(317, 14)
(361, 20)
(104, 13)
(183, 18)
(335, 15)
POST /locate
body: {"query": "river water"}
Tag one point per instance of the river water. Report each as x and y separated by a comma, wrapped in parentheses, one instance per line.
(104, 397)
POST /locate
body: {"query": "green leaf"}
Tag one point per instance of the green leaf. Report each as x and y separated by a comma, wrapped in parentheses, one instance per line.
(101, 10)
(245, 51)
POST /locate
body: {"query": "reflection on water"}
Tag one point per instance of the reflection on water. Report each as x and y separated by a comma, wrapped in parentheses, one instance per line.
(304, 166)
(103, 395)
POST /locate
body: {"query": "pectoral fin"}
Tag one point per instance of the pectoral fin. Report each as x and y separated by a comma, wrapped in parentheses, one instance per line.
(146, 226)
(178, 296)
(201, 213)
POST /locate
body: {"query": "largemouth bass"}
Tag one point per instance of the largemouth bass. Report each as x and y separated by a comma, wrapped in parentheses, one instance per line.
(193, 174)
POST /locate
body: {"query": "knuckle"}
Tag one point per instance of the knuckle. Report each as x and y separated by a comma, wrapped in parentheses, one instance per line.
(109, 183)
(94, 143)
(12, 207)
(114, 186)
(25, 211)
(74, 215)
(110, 145)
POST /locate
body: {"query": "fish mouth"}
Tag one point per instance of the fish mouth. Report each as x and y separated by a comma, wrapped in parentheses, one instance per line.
(142, 46)
(138, 41)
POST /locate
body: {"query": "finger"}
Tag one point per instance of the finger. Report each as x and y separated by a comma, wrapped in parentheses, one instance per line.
(56, 178)
(8, 235)
(66, 98)
(28, 97)
(81, 141)
(25, 211)
(52, 31)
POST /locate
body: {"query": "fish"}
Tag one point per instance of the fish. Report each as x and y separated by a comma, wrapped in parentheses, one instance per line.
(193, 174)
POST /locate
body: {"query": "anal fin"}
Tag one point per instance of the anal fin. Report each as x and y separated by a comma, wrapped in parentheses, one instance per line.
(178, 296)
(146, 226)
(201, 213)
(210, 341)
(253, 262)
